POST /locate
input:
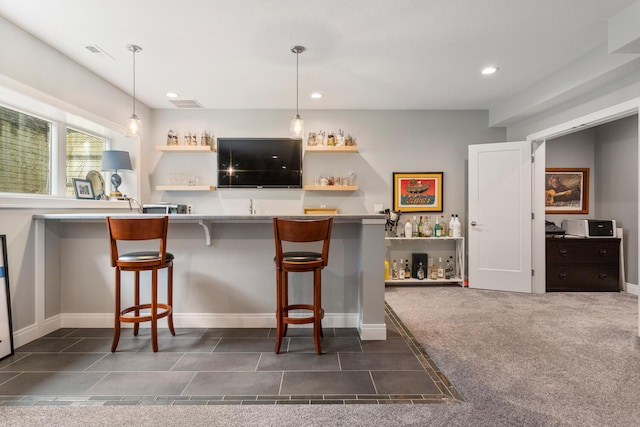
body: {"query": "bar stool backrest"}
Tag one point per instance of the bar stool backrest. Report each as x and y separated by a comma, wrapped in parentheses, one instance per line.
(306, 231)
(154, 228)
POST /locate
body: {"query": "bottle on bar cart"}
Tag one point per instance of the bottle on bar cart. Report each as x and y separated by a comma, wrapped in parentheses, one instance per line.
(407, 269)
(401, 270)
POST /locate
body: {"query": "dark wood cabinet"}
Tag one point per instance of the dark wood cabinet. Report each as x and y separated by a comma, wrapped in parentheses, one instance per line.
(582, 264)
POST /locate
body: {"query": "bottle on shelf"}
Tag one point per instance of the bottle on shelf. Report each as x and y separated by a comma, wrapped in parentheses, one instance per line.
(440, 270)
(437, 230)
(447, 270)
(394, 271)
(420, 227)
(457, 227)
(386, 269)
(420, 272)
(443, 227)
(451, 223)
(401, 270)
(414, 227)
(407, 269)
(453, 267)
(434, 270)
(428, 228)
(408, 228)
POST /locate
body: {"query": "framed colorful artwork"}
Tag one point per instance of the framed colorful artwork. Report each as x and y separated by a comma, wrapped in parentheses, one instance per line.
(567, 191)
(417, 191)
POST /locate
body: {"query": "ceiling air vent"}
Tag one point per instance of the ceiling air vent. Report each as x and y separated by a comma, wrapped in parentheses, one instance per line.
(185, 103)
(98, 51)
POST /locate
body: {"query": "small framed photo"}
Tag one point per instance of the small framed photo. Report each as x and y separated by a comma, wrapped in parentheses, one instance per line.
(83, 189)
(567, 191)
(417, 191)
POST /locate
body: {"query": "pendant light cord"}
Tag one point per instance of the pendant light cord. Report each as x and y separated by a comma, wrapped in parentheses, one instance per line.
(134, 81)
(297, 95)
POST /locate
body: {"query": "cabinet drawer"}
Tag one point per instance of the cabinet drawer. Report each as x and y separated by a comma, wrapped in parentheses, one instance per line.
(585, 278)
(582, 251)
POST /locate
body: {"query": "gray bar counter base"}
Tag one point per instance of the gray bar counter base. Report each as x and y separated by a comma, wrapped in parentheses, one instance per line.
(224, 274)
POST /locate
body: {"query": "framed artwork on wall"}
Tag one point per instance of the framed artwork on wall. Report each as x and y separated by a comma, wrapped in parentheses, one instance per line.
(567, 191)
(417, 191)
(6, 332)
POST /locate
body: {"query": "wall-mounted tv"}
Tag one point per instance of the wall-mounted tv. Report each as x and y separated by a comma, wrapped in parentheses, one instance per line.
(259, 163)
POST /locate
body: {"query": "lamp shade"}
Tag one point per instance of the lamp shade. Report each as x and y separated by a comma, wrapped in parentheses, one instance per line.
(114, 160)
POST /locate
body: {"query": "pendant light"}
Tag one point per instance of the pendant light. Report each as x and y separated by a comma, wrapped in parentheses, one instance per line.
(297, 124)
(134, 126)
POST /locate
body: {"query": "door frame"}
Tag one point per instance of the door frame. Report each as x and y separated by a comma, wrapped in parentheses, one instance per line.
(538, 139)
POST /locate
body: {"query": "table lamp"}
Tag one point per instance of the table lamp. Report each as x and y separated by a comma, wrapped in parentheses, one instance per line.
(114, 160)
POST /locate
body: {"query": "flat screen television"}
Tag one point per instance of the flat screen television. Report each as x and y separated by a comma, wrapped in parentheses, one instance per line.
(259, 163)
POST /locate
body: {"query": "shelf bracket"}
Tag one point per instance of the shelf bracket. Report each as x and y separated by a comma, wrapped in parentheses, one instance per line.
(207, 231)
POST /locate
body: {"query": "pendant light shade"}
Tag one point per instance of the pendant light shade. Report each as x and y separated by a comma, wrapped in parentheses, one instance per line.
(134, 126)
(297, 124)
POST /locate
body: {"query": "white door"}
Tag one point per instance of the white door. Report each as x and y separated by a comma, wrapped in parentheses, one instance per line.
(499, 221)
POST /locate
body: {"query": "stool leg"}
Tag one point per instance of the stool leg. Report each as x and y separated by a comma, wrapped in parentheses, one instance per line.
(317, 304)
(116, 326)
(279, 322)
(170, 299)
(154, 309)
(136, 301)
(285, 301)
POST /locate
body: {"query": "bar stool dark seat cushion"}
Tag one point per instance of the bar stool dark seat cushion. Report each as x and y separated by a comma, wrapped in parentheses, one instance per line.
(144, 256)
(301, 256)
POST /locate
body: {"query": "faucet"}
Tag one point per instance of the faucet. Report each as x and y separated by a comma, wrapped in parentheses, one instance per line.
(251, 211)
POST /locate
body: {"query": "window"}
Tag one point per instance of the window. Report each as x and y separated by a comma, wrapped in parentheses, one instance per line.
(25, 153)
(84, 154)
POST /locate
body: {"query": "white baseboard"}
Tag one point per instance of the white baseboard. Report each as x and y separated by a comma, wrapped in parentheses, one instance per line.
(632, 288)
(371, 331)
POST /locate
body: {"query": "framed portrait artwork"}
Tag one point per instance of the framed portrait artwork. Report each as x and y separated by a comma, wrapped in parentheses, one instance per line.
(6, 333)
(417, 191)
(567, 191)
(83, 189)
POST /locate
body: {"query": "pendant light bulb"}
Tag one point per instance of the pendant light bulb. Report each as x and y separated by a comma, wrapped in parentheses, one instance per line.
(134, 126)
(297, 124)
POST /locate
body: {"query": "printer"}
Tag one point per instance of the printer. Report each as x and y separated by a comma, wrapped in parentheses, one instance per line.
(590, 227)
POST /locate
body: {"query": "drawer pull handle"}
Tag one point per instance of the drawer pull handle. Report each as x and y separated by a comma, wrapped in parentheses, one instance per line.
(603, 252)
(562, 276)
(602, 275)
(563, 252)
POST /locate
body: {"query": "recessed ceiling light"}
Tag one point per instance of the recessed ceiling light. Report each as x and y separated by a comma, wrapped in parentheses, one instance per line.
(172, 95)
(316, 95)
(489, 70)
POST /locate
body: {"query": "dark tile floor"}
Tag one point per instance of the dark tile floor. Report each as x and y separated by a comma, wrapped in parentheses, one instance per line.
(222, 366)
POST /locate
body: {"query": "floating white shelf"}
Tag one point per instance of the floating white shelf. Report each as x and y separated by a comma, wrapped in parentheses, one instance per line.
(186, 187)
(331, 148)
(186, 148)
(330, 187)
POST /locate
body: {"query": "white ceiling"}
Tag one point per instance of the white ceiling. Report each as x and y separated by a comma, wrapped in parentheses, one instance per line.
(361, 54)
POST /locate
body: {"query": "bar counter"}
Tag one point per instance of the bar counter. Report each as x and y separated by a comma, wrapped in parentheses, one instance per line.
(224, 274)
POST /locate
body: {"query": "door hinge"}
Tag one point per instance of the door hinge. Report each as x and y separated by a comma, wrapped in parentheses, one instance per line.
(533, 216)
(533, 158)
(532, 272)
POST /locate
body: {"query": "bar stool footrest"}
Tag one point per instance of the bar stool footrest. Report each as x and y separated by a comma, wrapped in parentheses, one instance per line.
(163, 311)
(300, 320)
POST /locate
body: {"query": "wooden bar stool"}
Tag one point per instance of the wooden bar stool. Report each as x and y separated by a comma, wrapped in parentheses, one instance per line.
(297, 262)
(141, 229)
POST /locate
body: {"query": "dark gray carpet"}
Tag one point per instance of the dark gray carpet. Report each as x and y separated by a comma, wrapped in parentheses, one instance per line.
(517, 360)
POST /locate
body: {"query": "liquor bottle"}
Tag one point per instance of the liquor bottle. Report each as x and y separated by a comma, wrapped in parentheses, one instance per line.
(401, 270)
(386, 269)
(434, 270)
(443, 226)
(452, 266)
(437, 231)
(447, 270)
(428, 228)
(414, 227)
(420, 227)
(408, 228)
(451, 223)
(407, 269)
(440, 270)
(457, 227)
(394, 271)
(420, 272)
